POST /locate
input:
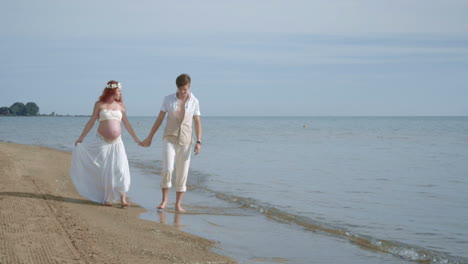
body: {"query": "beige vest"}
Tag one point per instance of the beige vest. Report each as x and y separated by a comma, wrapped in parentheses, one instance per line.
(178, 132)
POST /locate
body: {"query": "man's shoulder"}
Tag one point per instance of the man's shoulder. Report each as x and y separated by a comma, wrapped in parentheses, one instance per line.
(170, 96)
(192, 96)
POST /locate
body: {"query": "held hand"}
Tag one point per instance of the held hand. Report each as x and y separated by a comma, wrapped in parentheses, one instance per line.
(197, 148)
(146, 142)
(138, 142)
(78, 141)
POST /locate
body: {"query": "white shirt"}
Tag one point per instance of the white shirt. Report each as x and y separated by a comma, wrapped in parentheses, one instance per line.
(179, 131)
(171, 102)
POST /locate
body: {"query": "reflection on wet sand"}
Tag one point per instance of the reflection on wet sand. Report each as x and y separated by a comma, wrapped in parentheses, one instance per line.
(176, 220)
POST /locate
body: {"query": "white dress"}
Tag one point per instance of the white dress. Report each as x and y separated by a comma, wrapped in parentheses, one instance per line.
(99, 169)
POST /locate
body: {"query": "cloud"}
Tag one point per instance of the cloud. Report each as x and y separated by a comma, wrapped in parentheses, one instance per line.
(320, 49)
(146, 17)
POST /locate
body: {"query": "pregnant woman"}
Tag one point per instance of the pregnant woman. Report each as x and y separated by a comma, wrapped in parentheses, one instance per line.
(99, 168)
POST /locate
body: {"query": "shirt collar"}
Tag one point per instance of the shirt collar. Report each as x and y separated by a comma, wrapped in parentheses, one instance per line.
(174, 97)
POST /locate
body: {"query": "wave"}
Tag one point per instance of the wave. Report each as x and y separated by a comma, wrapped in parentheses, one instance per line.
(402, 250)
(398, 249)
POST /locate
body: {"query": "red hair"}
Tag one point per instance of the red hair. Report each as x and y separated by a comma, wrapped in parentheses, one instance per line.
(109, 93)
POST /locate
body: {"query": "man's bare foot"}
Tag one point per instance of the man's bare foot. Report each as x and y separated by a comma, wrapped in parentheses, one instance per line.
(179, 209)
(162, 205)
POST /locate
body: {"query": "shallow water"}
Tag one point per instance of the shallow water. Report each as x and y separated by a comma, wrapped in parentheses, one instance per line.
(337, 189)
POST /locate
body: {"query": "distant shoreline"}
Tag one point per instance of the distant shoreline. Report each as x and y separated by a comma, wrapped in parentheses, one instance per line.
(45, 116)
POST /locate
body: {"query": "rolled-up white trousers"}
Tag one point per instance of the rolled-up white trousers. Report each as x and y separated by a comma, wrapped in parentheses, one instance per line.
(177, 156)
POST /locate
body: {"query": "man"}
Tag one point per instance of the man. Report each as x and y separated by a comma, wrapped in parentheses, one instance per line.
(182, 108)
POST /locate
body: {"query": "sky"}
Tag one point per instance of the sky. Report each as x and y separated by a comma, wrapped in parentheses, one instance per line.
(246, 58)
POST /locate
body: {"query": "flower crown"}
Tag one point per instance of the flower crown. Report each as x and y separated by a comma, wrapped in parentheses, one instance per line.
(113, 85)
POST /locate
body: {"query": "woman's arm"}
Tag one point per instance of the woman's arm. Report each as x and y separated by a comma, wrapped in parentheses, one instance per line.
(198, 132)
(90, 123)
(129, 128)
(154, 129)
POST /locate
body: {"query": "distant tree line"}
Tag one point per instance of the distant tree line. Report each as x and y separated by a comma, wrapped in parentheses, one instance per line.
(20, 109)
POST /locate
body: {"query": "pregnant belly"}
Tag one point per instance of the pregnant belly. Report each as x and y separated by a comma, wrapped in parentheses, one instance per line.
(109, 129)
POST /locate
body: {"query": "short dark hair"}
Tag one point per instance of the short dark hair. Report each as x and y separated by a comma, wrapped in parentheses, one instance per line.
(182, 80)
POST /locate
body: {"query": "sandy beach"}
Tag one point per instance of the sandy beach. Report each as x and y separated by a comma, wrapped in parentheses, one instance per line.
(44, 220)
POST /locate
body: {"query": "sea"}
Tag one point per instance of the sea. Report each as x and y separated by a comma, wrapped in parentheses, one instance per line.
(304, 189)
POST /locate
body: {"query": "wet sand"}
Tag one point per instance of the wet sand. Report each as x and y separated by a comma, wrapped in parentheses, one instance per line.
(44, 220)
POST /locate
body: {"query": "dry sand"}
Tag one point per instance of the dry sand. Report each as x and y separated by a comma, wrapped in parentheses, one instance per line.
(44, 220)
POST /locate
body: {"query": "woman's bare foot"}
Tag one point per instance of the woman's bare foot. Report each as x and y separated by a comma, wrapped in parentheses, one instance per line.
(162, 205)
(107, 204)
(123, 201)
